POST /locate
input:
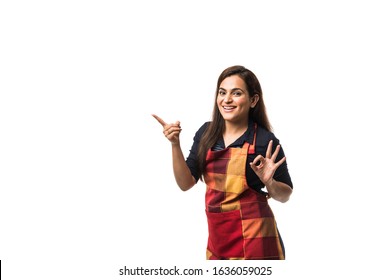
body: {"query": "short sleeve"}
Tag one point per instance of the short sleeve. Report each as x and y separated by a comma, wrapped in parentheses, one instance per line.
(192, 159)
(281, 174)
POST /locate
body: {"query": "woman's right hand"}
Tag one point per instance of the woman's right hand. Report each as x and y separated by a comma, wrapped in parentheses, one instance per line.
(171, 131)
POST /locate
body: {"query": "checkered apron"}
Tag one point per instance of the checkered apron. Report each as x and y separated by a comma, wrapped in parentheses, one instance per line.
(241, 223)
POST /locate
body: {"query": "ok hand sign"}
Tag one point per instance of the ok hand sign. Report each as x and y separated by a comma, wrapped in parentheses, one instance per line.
(171, 131)
(267, 167)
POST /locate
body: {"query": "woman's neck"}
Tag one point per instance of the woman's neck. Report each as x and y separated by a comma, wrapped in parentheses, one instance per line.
(235, 128)
(233, 132)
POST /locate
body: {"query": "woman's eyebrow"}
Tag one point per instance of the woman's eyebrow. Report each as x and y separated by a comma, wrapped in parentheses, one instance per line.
(231, 89)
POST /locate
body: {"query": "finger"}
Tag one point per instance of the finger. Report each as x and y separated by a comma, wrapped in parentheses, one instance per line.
(160, 120)
(279, 163)
(174, 136)
(171, 129)
(172, 125)
(275, 154)
(269, 149)
(258, 160)
(253, 166)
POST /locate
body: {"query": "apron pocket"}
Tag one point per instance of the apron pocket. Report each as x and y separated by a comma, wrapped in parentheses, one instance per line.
(225, 234)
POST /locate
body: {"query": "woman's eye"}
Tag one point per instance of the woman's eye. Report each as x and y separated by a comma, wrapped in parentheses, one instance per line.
(237, 93)
(221, 93)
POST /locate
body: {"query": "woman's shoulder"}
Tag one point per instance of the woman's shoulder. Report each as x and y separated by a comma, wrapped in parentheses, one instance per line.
(205, 125)
(201, 130)
(263, 136)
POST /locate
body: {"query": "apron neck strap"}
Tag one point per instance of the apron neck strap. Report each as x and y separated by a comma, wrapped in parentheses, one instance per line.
(250, 148)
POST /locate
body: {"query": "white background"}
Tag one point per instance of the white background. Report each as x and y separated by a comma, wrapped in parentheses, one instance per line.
(86, 185)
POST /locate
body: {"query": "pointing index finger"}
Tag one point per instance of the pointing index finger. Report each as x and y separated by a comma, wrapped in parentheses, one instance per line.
(160, 120)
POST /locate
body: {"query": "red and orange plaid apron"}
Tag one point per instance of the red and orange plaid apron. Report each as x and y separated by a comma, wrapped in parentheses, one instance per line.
(241, 223)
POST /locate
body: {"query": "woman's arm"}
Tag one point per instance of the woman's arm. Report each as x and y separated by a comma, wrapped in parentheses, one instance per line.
(182, 173)
(279, 190)
(183, 176)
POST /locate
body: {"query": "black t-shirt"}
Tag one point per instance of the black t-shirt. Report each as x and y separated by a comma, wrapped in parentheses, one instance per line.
(262, 139)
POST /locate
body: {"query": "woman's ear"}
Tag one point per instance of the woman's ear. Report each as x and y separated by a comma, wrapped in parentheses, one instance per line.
(254, 99)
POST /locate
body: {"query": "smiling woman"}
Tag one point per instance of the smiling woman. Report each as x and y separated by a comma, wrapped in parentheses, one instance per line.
(234, 103)
(242, 164)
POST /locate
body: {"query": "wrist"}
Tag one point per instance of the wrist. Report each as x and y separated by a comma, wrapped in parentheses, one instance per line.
(270, 183)
(175, 144)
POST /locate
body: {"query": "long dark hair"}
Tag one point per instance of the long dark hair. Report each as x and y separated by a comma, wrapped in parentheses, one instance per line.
(217, 126)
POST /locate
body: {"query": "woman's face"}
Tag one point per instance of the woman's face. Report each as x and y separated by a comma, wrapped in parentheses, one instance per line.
(233, 100)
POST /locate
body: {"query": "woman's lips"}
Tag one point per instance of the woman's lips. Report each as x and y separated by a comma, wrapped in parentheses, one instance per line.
(228, 108)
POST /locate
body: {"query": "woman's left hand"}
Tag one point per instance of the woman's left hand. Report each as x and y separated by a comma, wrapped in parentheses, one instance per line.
(265, 167)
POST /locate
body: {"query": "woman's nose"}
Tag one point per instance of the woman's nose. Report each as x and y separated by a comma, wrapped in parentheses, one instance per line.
(228, 98)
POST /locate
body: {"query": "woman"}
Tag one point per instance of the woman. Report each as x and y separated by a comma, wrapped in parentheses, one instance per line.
(242, 164)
